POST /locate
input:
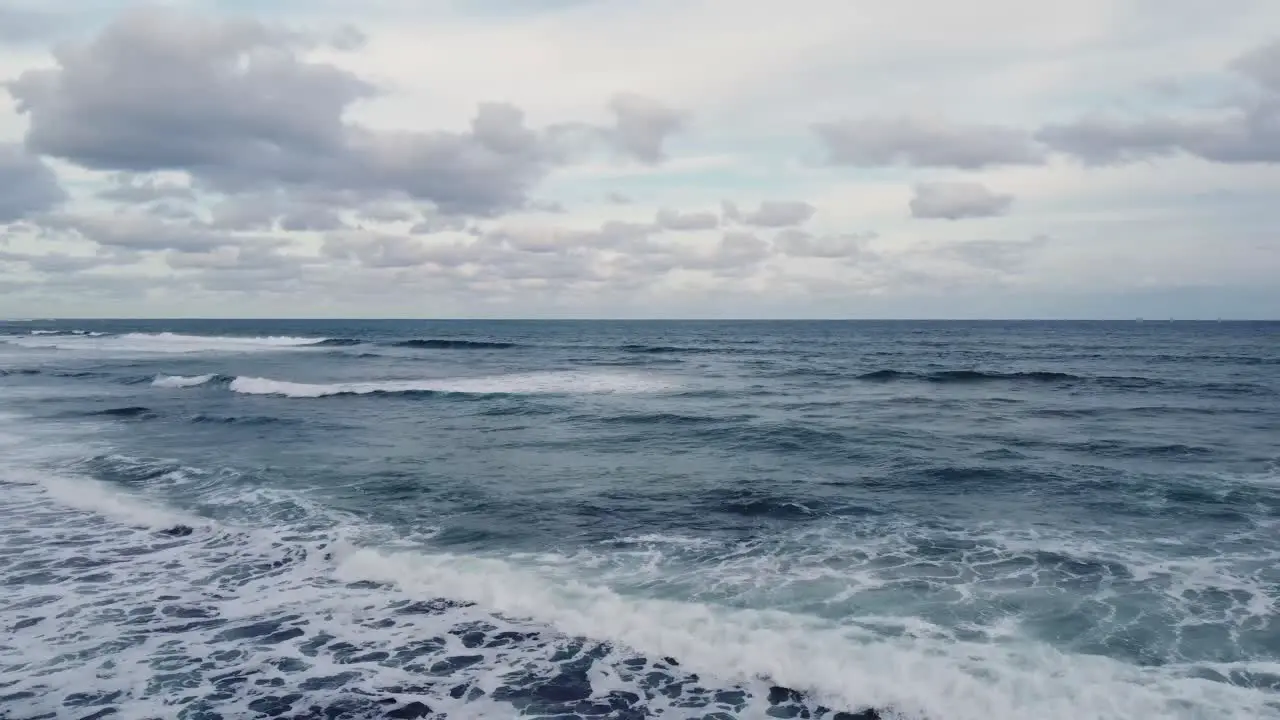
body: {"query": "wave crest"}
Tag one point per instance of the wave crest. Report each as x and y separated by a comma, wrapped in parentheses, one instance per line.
(181, 381)
(969, 376)
(164, 342)
(521, 384)
(452, 344)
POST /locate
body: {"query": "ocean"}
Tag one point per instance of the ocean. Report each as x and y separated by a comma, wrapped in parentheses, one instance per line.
(369, 519)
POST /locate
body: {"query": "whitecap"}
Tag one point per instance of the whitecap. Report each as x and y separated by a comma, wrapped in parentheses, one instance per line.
(518, 384)
(164, 342)
(181, 381)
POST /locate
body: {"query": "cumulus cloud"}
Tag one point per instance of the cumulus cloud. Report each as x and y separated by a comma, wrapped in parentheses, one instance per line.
(130, 188)
(145, 232)
(238, 106)
(957, 200)
(435, 223)
(380, 250)
(642, 125)
(925, 142)
(673, 220)
(268, 210)
(27, 185)
(798, 243)
(772, 214)
(58, 263)
(1247, 132)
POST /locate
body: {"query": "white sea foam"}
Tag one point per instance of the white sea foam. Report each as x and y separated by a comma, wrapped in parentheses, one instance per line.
(272, 571)
(82, 493)
(517, 384)
(180, 381)
(163, 343)
(840, 664)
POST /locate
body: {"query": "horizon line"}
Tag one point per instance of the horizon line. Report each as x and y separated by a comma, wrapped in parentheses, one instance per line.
(630, 319)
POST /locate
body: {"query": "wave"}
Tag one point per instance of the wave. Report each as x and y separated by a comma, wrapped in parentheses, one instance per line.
(915, 675)
(665, 349)
(338, 342)
(94, 496)
(666, 418)
(968, 376)
(452, 344)
(181, 381)
(235, 419)
(530, 637)
(84, 333)
(520, 384)
(19, 371)
(165, 342)
(132, 411)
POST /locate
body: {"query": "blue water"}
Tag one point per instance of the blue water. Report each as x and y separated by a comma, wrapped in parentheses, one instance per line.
(941, 521)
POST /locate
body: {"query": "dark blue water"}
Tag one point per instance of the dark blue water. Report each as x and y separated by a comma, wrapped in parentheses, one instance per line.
(949, 521)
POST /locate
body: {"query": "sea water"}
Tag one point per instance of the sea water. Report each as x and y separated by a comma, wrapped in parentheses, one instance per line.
(924, 520)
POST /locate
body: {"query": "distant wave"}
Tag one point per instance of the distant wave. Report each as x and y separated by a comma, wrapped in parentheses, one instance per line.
(968, 376)
(1115, 382)
(181, 381)
(667, 418)
(235, 419)
(519, 384)
(164, 342)
(132, 411)
(664, 349)
(452, 344)
(338, 342)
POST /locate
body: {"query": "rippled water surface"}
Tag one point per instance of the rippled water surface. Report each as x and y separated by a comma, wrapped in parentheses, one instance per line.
(934, 521)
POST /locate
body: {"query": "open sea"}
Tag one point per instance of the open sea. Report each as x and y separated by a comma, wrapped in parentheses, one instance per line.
(712, 520)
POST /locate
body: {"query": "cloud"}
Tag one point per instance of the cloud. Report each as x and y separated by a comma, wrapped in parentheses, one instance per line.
(798, 243)
(440, 223)
(144, 232)
(1005, 256)
(735, 251)
(553, 207)
(238, 106)
(771, 213)
(1262, 65)
(642, 125)
(957, 200)
(59, 263)
(27, 185)
(673, 220)
(616, 198)
(268, 210)
(925, 142)
(387, 212)
(380, 250)
(22, 26)
(1247, 131)
(129, 188)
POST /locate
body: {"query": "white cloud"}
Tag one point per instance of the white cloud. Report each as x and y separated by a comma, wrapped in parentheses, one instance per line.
(574, 160)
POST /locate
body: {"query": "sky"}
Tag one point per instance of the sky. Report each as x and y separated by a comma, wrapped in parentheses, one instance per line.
(640, 158)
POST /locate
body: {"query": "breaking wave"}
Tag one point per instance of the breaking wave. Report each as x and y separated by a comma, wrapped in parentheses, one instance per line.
(519, 384)
(181, 381)
(165, 342)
